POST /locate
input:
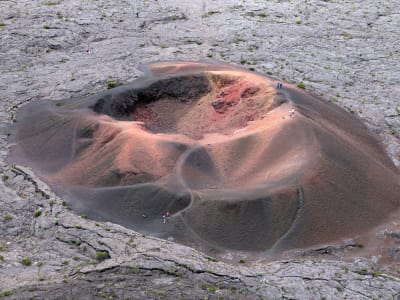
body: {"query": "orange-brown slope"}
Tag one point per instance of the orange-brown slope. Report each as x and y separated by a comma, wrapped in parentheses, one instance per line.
(238, 164)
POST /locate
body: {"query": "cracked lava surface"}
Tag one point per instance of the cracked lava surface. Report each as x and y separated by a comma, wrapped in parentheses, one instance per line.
(237, 163)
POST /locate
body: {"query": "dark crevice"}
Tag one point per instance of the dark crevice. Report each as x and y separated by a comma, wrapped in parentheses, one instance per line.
(29, 178)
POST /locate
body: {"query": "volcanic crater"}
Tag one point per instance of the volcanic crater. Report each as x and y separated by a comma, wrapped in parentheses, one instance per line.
(238, 163)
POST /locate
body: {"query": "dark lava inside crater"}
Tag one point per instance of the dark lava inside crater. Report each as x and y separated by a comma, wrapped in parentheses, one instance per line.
(236, 163)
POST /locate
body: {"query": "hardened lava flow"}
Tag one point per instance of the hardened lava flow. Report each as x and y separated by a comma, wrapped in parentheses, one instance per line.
(237, 163)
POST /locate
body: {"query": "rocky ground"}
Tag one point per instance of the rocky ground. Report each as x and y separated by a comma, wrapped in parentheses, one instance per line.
(346, 51)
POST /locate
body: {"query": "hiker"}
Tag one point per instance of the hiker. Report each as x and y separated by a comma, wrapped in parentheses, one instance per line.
(89, 51)
(165, 216)
(137, 14)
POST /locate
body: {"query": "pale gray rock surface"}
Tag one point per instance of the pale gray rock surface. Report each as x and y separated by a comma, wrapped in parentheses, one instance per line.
(346, 51)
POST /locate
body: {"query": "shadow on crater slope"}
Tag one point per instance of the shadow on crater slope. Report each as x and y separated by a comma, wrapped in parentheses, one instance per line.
(238, 163)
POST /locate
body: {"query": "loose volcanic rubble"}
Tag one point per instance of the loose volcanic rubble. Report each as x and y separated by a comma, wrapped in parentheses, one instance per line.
(251, 176)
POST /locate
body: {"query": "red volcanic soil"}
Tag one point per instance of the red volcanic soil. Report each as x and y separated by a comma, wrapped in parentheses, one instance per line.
(231, 103)
(237, 163)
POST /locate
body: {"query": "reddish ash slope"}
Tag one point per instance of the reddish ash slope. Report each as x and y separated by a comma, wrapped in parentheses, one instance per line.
(239, 164)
